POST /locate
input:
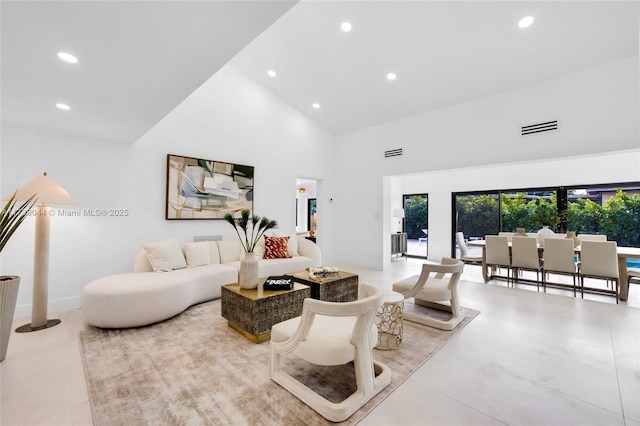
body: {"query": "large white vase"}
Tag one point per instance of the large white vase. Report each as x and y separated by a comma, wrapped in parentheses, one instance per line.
(545, 232)
(248, 275)
(8, 296)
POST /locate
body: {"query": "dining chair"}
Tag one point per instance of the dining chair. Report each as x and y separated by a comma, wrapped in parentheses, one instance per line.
(497, 253)
(633, 273)
(524, 256)
(332, 334)
(591, 237)
(558, 258)
(465, 256)
(599, 259)
(509, 235)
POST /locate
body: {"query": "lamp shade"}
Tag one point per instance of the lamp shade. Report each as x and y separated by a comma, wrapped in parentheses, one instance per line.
(398, 212)
(46, 190)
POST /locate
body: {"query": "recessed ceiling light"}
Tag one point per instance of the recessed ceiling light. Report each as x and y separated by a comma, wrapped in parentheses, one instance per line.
(67, 57)
(316, 105)
(525, 22)
(271, 73)
(63, 107)
(346, 27)
(391, 76)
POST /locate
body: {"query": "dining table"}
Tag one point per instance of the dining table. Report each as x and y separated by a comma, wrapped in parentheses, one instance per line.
(624, 253)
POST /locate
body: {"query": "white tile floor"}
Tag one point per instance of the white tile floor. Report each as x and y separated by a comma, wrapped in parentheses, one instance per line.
(529, 358)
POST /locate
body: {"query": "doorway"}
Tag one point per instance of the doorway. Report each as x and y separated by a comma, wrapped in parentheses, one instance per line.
(306, 206)
(416, 224)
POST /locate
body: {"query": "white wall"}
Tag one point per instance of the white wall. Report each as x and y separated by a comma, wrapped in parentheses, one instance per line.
(614, 167)
(597, 111)
(230, 118)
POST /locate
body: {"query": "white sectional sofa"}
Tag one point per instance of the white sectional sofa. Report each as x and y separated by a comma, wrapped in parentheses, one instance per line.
(144, 297)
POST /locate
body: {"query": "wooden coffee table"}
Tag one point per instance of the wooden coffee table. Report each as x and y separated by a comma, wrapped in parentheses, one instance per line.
(339, 287)
(252, 313)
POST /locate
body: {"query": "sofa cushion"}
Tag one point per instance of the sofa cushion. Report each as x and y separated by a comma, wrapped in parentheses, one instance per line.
(259, 249)
(230, 250)
(165, 255)
(141, 298)
(282, 266)
(276, 247)
(214, 253)
(197, 254)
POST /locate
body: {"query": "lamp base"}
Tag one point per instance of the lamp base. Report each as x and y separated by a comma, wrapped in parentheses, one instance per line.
(28, 328)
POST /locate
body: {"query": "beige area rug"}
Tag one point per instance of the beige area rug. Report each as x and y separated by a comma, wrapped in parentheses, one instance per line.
(195, 370)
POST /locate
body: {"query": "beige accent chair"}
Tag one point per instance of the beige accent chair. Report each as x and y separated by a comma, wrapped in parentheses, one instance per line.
(333, 333)
(433, 291)
(497, 253)
(599, 259)
(464, 250)
(524, 256)
(559, 258)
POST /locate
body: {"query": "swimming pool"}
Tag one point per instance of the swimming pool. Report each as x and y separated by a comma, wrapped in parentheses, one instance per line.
(633, 263)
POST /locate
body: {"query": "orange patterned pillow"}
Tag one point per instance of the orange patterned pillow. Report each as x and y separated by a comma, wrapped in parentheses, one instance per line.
(276, 247)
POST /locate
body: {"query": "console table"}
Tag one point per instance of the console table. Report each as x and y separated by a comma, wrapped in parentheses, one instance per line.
(399, 244)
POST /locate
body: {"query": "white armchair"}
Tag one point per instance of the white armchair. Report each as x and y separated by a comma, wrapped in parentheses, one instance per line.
(431, 291)
(332, 333)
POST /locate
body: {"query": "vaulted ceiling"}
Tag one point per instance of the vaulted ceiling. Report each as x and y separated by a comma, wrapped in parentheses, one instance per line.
(442, 52)
(140, 59)
(137, 60)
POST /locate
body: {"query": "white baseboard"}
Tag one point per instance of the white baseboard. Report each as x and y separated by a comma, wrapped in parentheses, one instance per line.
(58, 305)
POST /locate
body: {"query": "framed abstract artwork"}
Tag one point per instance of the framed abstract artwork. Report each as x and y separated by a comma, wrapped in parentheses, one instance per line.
(206, 189)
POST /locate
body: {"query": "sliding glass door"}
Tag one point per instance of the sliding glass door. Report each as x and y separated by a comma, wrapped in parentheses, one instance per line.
(611, 209)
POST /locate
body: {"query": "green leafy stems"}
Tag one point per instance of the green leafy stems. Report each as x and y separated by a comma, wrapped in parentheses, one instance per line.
(259, 225)
(11, 217)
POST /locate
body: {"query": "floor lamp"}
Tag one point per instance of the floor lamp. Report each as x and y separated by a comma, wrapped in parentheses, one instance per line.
(47, 192)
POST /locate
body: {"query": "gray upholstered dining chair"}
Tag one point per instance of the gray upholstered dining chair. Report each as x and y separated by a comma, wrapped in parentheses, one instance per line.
(331, 334)
(599, 259)
(559, 258)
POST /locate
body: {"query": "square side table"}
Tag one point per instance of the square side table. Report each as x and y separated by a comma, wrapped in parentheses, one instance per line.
(339, 287)
(252, 313)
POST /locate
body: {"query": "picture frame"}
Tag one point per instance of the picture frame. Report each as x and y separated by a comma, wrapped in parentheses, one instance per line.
(199, 189)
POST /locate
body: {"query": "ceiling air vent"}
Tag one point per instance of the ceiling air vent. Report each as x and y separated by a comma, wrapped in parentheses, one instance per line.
(538, 128)
(393, 153)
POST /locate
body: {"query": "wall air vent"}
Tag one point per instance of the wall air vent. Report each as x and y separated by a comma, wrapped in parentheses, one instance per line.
(393, 153)
(538, 128)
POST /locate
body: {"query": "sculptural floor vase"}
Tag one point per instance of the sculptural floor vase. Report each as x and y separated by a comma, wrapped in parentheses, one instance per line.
(8, 296)
(248, 275)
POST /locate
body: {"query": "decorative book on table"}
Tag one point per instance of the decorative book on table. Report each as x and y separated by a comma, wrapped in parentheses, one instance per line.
(278, 282)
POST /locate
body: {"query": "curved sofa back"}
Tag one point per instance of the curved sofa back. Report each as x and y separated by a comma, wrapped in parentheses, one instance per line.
(231, 250)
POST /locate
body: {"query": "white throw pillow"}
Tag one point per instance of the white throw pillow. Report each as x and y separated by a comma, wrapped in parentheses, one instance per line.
(197, 254)
(214, 253)
(230, 250)
(165, 256)
(259, 250)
